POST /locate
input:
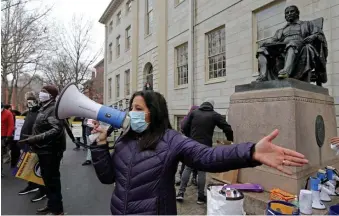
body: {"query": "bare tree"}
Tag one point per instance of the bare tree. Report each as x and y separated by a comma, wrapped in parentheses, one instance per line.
(74, 57)
(57, 71)
(6, 6)
(24, 41)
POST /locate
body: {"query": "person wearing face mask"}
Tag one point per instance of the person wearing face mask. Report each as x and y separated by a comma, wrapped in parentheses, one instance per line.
(48, 140)
(145, 158)
(7, 129)
(30, 117)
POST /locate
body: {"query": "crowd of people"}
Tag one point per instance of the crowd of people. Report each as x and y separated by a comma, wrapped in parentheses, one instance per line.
(43, 134)
(145, 160)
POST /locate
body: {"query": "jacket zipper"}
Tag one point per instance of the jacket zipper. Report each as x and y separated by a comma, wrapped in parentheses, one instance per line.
(128, 179)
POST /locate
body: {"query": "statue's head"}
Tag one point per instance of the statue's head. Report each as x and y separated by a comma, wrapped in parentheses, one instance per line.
(292, 13)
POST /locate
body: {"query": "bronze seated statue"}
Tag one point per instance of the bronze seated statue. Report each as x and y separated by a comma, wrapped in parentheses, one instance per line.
(299, 51)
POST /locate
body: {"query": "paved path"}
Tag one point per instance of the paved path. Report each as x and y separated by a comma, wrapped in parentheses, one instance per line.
(82, 191)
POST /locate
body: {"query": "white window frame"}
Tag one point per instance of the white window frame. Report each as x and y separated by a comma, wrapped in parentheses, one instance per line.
(127, 82)
(128, 37)
(181, 64)
(216, 55)
(118, 46)
(117, 86)
(110, 88)
(178, 119)
(119, 18)
(149, 17)
(218, 134)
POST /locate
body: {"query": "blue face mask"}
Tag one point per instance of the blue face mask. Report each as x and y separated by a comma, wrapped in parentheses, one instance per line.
(138, 123)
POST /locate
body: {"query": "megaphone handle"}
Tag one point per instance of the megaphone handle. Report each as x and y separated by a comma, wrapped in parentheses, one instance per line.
(110, 130)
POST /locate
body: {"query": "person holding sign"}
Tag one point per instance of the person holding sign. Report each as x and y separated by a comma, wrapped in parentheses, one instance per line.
(79, 130)
(13, 146)
(26, 130)
(48, 141)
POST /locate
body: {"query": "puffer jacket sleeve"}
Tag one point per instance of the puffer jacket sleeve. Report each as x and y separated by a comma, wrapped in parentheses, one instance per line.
(102, 162)
(213, 159)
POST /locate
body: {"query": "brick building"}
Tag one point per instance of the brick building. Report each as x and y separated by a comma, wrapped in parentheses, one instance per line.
(94, 88)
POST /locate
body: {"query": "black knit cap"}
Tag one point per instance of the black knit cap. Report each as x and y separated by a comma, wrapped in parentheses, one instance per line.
(52, 90)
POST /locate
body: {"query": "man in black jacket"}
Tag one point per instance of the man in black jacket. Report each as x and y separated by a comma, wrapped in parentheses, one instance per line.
(200, 124)
(30, 116)
(49, 142)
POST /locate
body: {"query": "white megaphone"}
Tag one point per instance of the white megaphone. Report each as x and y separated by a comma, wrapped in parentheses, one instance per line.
(72, 102)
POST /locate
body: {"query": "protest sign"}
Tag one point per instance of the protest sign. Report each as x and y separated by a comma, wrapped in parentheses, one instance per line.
(77, 129)
(19, 122)
(28, 168)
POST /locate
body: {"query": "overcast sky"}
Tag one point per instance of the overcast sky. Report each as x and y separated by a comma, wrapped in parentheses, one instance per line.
(63, 11)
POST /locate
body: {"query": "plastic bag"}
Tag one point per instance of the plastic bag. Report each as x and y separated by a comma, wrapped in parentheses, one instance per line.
(217, 204)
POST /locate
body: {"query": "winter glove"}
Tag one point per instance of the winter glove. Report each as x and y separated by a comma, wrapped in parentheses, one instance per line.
(30, 140)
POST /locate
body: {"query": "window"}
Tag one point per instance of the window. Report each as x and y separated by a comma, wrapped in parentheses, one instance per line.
(216, 53)
(128, 6)
(149, 16)
(110, 53)
(110, 27)
(178, 121)
(118, 46)
(110, 88)
(182, 64)
(119, 18)
(127, 82)
(149, 74)
(128, 38)
(117, 85)
(179, 1)
(266, 21)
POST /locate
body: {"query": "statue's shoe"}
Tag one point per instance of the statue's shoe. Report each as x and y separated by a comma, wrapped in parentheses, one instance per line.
(283, 76)
(260, 79)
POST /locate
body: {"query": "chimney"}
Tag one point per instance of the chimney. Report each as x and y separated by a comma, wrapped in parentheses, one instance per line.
(93, 74)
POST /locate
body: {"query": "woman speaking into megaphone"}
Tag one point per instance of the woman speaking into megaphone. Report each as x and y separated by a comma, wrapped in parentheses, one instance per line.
(145, 159)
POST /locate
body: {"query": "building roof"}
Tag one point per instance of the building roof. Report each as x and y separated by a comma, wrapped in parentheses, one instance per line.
(109, 10)
(99, 63)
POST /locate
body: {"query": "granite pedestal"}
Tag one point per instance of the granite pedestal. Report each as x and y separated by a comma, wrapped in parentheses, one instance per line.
(291, 106)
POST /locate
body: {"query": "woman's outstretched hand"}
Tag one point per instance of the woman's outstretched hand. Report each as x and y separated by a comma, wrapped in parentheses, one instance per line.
(275, 156)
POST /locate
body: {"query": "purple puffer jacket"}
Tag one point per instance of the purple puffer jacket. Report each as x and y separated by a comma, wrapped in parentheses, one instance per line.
(144, 181)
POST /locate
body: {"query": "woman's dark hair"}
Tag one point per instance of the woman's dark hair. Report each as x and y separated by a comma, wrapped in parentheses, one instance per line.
(157, 105)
